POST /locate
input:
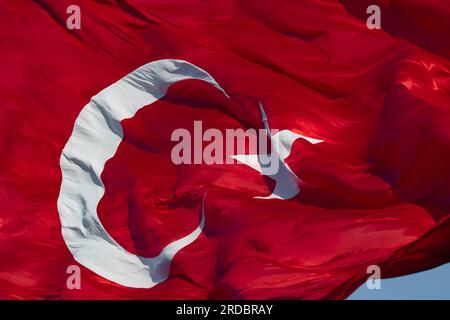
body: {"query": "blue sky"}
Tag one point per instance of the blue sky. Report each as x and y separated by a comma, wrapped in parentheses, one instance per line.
(430, 284)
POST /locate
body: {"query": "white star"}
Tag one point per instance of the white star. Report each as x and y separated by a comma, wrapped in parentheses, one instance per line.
(286, 180)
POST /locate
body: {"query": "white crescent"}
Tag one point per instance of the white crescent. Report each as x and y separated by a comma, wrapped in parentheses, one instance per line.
(95, 138)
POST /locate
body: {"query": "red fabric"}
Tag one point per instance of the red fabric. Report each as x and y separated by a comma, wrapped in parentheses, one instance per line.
(378, 188)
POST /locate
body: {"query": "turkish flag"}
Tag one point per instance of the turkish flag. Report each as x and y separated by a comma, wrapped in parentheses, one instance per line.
(88, 179)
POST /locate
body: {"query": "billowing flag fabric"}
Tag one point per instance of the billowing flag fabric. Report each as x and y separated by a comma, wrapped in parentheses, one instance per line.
(87, 176)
